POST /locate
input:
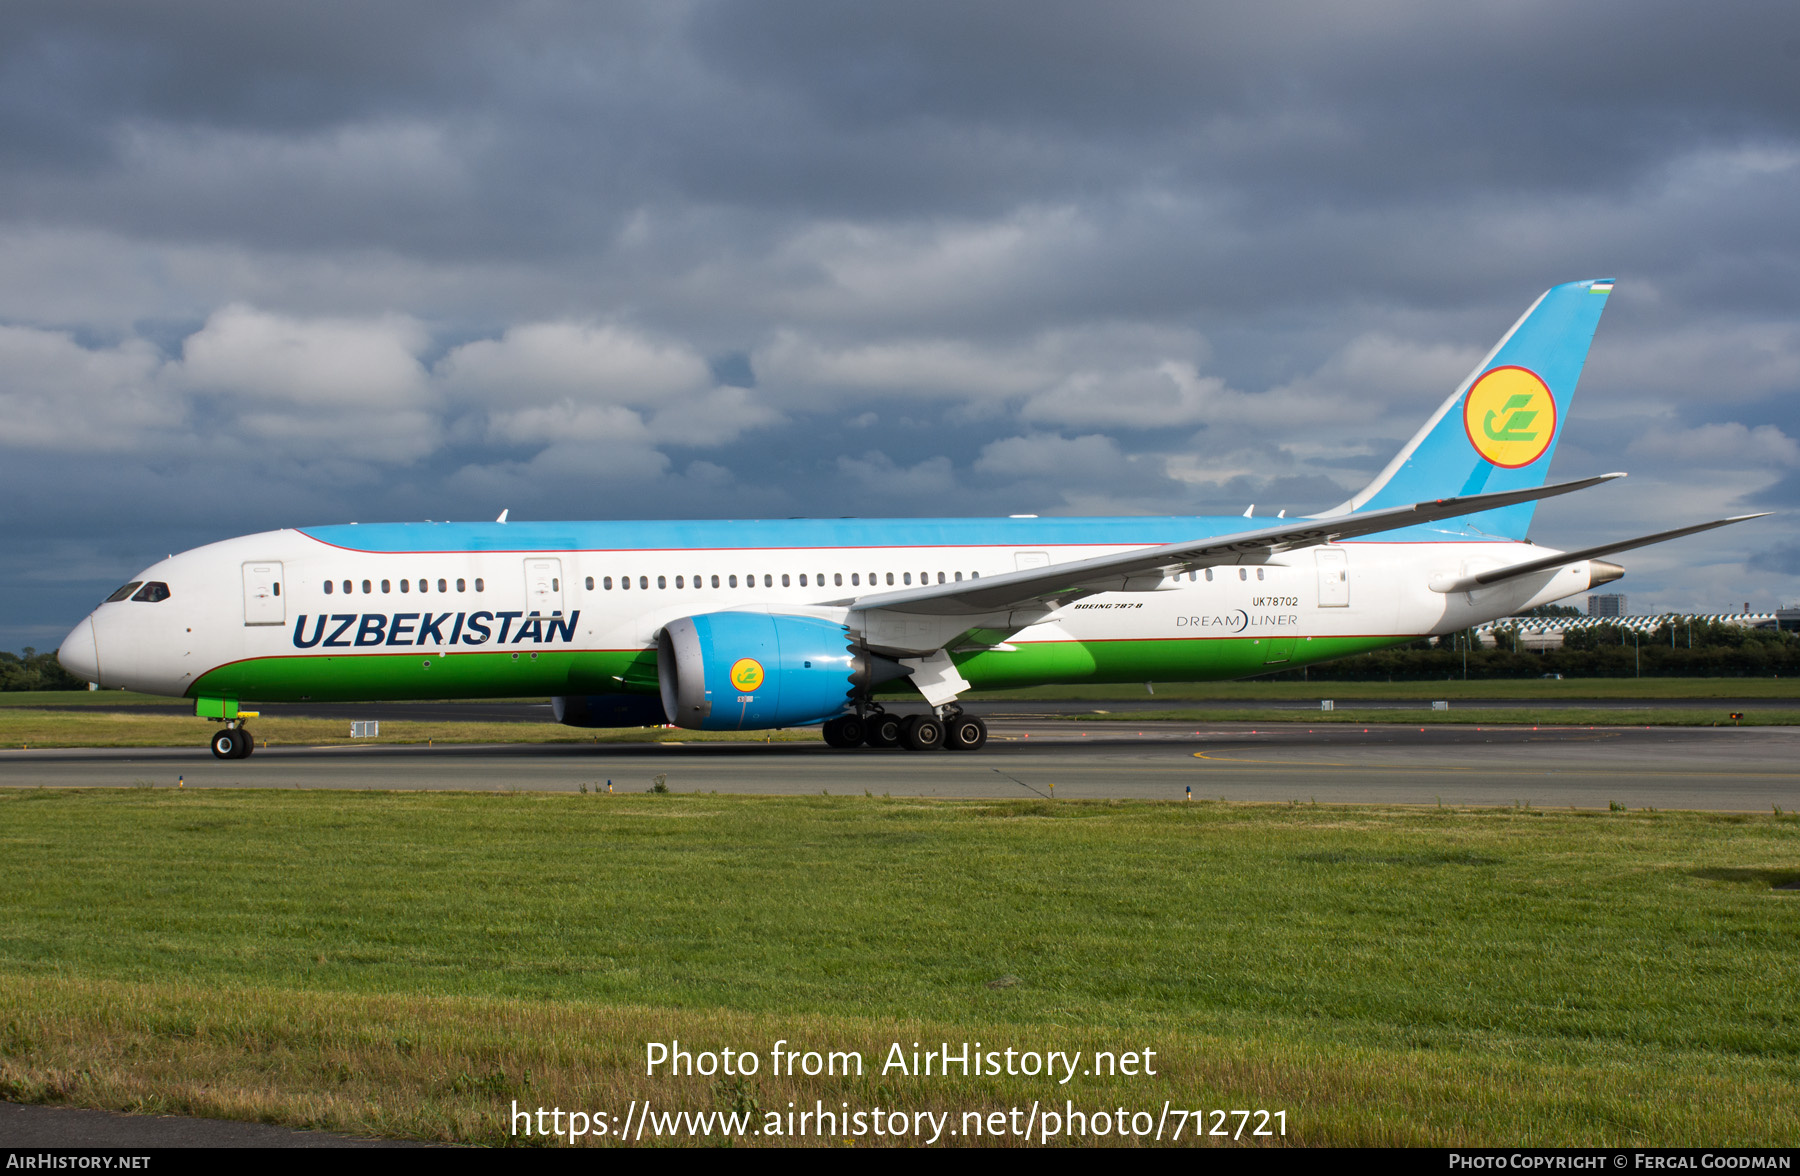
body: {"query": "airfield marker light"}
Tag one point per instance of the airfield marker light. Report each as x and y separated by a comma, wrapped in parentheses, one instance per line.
(1190, 792)
(181, 781)
(1736, 717)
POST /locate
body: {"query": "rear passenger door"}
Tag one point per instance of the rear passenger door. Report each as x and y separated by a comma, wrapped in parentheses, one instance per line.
(1334, 577)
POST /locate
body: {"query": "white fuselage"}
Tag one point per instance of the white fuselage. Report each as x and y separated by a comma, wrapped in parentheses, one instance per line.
(617, 600)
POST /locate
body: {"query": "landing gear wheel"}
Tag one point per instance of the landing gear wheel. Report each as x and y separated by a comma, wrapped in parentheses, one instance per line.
(229, 743)
(882, 730)
(923, 733)
(844, 731)
(965, 733)
(249, 743)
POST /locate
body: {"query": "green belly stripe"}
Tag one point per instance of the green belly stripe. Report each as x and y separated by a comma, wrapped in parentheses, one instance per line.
(376, 676)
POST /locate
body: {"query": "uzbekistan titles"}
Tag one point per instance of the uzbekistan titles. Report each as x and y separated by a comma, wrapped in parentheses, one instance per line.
(351, 630)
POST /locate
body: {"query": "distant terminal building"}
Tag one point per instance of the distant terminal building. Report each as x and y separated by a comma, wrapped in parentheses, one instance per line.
(1540, 633)
(1607, 605)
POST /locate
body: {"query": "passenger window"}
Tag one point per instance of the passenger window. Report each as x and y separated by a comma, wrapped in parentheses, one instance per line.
(125, 592)
(625, 583)
(679, 582)
(277, 587)
(555, 584)
(734, 581)
(715, 581)
(1209, 575)
(152, 592)
(405, 586)
(1243, 574)
(906, 577)
(590, 583)
(837, 579)
(802, 579)
(940, 577)
(662, 581)
(855, 579)
(328, 587)
(890, 577)
(959, 577)
(385, 587)
(367, 588)
(644, 582)
(479, 586)
(607, 583)
(424, 585)
(443, 587)
(459, 585)
(784, 581)
(768, 580)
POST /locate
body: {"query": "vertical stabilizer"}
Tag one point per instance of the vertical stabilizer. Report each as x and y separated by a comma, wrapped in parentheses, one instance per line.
(1498, 430)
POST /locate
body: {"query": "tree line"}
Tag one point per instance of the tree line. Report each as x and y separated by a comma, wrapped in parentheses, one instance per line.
(35, 671)
(1676, 649)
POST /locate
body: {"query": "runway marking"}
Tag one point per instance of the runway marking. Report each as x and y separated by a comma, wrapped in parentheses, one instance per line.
(1223, 759)
(1020, 783)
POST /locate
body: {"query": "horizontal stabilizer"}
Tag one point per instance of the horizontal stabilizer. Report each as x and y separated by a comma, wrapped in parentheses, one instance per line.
(1499, 575)
(1146, 567)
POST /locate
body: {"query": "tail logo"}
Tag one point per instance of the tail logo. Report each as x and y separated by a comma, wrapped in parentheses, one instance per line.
(1510, 416)
(746, 675)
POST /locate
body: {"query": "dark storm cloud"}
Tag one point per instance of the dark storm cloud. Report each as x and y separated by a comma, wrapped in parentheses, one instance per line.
(273, 265)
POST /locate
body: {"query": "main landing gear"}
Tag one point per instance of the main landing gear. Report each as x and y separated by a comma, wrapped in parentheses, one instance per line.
(955, 731)
(232, 743)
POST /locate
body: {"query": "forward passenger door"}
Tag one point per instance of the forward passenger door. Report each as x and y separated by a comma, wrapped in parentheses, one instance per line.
(263, 604)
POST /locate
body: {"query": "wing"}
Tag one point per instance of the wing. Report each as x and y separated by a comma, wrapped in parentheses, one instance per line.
(1145, 568)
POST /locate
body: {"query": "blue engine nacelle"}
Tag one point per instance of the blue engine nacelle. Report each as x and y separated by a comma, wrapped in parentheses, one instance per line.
(735, 671)
(608, 710)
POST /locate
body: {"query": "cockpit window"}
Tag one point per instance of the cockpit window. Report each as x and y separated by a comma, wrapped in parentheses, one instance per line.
(152, 592)
(124, 592)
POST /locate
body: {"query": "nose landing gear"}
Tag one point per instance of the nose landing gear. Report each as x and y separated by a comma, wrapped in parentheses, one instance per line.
(232, 743)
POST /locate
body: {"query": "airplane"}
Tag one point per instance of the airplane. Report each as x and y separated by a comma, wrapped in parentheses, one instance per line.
(750, 625)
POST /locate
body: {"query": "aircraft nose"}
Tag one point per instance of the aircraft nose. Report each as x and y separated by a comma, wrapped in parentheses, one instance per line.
(79, 654)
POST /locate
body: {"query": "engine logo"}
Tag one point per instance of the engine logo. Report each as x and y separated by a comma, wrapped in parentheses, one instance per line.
(746, 674)
(1510, 416)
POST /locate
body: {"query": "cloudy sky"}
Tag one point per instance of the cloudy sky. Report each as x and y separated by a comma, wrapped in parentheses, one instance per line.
(267, 265)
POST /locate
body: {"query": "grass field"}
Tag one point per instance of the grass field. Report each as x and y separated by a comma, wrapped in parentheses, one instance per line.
(408, 964)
